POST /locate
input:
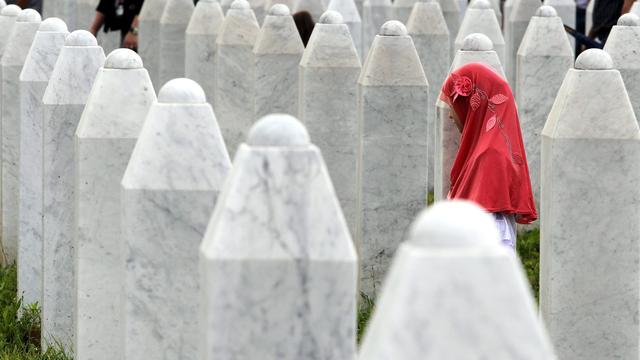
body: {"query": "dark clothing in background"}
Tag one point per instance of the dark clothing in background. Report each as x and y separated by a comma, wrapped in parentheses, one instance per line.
(605, 16)
(304, 23)
(118, 14)
(33, 4)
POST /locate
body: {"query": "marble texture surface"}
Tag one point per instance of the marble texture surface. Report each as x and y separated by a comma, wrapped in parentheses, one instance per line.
(200, 45)
(234, 95)
(544, 57)
(430, 34)
(623, 44)
(453, 17)
(454, 292)
(480, 18)
(291, 4)
(34, 77)
(402, 9)
(277, 54)
(172, 29)
(315, 7)
(63, 103)
(516, 25)
(15, 53)
(567, 11)
(329, 72)
(169, 190)
(374, 14)
(589, 269)
(285, 247)
(116, 108)
(393, 101)
(351, 17)
(149, 37)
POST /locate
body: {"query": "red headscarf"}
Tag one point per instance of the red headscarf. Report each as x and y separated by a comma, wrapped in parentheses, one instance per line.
(491, 166)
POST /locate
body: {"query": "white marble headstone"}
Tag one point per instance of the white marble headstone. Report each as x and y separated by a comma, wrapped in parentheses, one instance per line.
(393, 102)
(277, 54)
(314, 7)
(567, 11)
(149, 37)
(277, 263)
(169, 190)
(480, 18)
(589, 245)
(516, 25)
(351, 17)
(454, 292)
(63, 101)
(453, 17)
(374, 14)
(15, 53)
(34, 77)
(291, 4)
(173, 25)
(402, 9)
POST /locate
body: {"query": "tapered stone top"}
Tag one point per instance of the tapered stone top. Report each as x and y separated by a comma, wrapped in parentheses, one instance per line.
(53, 24)
(480, 18)
(279, 34)
(206, 18)
(29, 15)
(177, 12)
(629, 19)
(240, 26)
(10, 10)
(427, 18)
(123, 59)
(278, 130)
(546, 11)
(2, 4)
(7, 20)
(477, 42)
(623, 43)
(19, 42)
(81, 38)
(182, 91)
(478, 48)
(594, 59)
(523, 10)
(347, 8)
(331, 17)
(330, 44)
(240, 5)
(480, 4)
(545, 35)
(44, 51)
(393, 59)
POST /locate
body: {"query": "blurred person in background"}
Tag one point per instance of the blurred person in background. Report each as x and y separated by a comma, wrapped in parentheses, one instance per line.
(118, 15)
(305, 24)
(605, 16)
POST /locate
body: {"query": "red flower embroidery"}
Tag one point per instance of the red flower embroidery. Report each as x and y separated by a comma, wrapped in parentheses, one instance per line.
(463, 86)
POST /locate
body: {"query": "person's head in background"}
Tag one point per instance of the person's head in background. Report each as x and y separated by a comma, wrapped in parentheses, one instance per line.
(304, 23)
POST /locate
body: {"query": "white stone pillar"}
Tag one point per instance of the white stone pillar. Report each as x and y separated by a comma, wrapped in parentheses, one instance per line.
(314, 7)
(149, 37)
(200, 45)
(544, 57)
(291, 4)
(277, 54)
(402, 9)
(235, 85)
(517, 22)
(476, 48)
(374, 14)
(278, 240)
(566, 9)
(173, 25)
(116, 108)
(455, 292)
(351, 17)
(480, 18)
(589, 248)
(453, 18)
(15, 53)
(623, 44)
(34, 77)
(169, 190)
(329, 73)
(393, 102)
(63, 101)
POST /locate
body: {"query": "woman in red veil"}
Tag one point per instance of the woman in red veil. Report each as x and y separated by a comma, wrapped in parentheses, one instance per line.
(491, 165)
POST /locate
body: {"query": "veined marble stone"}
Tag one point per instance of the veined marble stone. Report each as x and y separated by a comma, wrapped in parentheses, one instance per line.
(453, 18)
(374, 14)
(393, 103)
(63, 102)
(169, 190)
(235, 88)
(635, 8)
(476, 48)
(329, 73)
(544, 57)
(115, 112)
(291, 4)
(588, 268)
(518, 20)
(149, 37)
(34, 77)
(402, 9)
(314, 7)
(480, 18)
(454, 292)
(15, 53)
(623, 44)
(430, 35)
(200, 45)
(256, 5)
(567, 11)
(277, 54)
(495, 5)
(351, 17)
(173, 26)
(277, 239)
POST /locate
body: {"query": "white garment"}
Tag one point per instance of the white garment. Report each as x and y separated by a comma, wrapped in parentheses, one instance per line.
(506, 228)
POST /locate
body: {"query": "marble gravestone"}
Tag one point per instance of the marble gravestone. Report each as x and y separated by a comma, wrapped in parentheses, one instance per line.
(480, 18)
(623, 44)
(149, 37)
(314, 7)
(200, 45)
(290, 4)
(329, 73)
(476, 48)
(277, 54)
(452, 16)
(429, 32)
(235, 86)
(169, 190)
(284, 247)
(455, 292)
(15, 53)
(566, 9)
(393, 102)
(516, 25)
(402, 9)
(374, 14)
(116, 108)
(34, 77)
(351, 17)
(495, 5)
(173, 25)
(589, 268)
(256, 5)
(63, 103)
(544, 57)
